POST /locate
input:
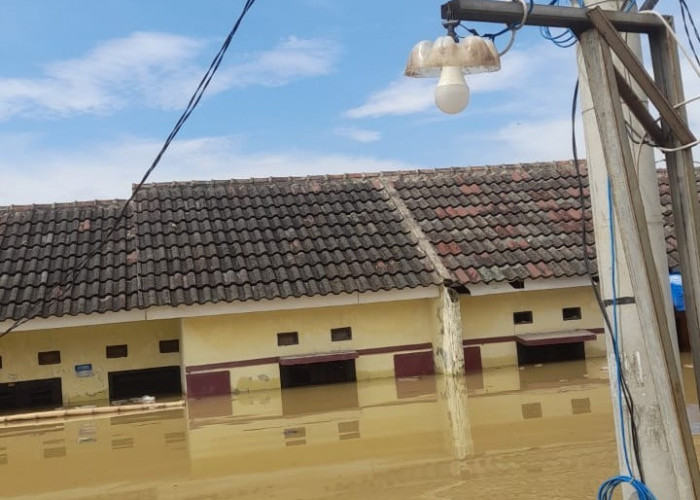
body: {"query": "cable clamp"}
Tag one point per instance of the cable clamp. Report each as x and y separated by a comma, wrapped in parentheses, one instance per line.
(620, 301)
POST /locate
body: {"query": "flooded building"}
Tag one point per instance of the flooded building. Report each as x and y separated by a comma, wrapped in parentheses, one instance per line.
(217, 287)
(433, 437)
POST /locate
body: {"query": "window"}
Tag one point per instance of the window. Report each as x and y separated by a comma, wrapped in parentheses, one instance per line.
(288, 338)
(338, 334)
(170, 345)
(117, 351)
(571, 313)
(522, 317)
(49, 357)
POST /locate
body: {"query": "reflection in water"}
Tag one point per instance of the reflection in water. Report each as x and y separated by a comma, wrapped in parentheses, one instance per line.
(506, 433)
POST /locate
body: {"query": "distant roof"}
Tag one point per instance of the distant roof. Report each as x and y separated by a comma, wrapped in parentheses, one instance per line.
(187, 243)
(224, 241)
(502, 223)
(40, 246)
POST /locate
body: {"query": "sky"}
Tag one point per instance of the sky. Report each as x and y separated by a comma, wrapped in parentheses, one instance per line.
(89, 91)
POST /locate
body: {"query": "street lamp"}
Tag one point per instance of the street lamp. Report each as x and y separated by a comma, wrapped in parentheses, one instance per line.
(451, 59)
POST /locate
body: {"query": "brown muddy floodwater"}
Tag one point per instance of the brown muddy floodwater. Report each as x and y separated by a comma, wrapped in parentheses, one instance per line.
(538, 432)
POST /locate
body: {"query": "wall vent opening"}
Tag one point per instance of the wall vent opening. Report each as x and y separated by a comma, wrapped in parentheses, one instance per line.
(522, 317)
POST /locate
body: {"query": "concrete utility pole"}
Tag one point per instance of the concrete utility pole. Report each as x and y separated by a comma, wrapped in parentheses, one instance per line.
(658, 463)
(650, 361)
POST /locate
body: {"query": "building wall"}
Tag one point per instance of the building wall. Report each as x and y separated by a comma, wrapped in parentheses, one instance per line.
(490, 318)
(245, 345)
(82, 345)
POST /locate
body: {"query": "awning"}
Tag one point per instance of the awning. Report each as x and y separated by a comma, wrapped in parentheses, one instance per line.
(322, 357)
(552, 338)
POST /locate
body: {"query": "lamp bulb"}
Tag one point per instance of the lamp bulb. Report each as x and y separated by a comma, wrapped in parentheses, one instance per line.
(451, 93)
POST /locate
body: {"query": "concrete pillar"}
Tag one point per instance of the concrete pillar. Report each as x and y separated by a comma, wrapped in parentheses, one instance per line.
(448, 352)
(656, 460)
(452, 393)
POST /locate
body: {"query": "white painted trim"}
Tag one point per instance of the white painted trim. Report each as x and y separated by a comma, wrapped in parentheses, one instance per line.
(550, 284)
(78, 320)
(160, 313)
(530, 285)
(345, 299)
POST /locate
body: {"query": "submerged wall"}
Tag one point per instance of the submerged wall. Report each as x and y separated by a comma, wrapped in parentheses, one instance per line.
(86, 345)
(241, 351)
(246, 345)
(488, 321)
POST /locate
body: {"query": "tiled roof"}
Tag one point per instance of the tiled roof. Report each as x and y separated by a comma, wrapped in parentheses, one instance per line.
(41, 244)
(239, 240)
(503, 223)
(276, 238)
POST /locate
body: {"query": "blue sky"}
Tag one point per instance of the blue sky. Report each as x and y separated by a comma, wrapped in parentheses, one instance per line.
(89, 90)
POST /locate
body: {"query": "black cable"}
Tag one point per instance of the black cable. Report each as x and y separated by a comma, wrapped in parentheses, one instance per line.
(686, 11)
(629, 402)
(191, 105)
(684, 5)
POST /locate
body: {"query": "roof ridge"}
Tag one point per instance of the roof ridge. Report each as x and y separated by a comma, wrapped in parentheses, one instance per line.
(366, 175)
(65, 204)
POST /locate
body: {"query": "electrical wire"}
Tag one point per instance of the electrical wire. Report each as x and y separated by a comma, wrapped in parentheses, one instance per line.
(191, 105)
(511, 28)
(669, 29)
(685, 11)
(515, 27)
(567, 38)
(679, 148)
(624, 393)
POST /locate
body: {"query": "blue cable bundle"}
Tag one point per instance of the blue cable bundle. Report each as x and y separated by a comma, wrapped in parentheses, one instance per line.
(567, 38)
(605, 492)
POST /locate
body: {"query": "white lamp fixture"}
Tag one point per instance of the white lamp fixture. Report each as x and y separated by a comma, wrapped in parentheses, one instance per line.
(451, 59)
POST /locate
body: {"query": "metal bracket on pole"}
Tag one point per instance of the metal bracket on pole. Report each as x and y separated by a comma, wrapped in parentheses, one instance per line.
(668, 114)
(554, 16)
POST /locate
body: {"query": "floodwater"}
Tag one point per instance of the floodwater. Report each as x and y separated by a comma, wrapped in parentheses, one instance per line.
(538, 432)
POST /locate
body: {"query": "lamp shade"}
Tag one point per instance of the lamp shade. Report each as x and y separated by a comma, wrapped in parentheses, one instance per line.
(472, 55)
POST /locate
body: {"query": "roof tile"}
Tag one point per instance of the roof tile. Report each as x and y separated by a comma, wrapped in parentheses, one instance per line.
(239, 240)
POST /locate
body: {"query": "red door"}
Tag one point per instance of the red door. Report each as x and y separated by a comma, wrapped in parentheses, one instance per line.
(413, 364)
(208, 384)
(472, 359)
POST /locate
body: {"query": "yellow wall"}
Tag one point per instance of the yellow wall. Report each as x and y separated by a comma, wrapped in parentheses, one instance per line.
(239, 337)
(492, 316)
(81, 345)
(220, 339)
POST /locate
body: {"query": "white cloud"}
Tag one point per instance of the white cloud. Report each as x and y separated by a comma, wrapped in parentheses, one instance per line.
(153, 69)
(526, 141)
(402, 97)
(358, 134)
(103, 80)
(292, 58)
(37, 175)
